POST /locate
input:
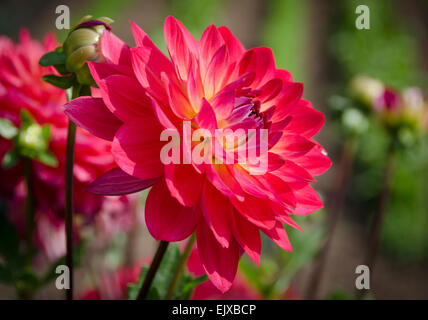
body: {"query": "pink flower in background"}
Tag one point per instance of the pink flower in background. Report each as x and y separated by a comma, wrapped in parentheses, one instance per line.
(214, 83)
(388, 101)
(21, 87)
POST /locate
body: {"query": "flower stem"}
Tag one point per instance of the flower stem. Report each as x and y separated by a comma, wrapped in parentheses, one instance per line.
(181, 263)
(376, 227)
(160, 252)
(29, 208)
(333, 214)
(69, 204)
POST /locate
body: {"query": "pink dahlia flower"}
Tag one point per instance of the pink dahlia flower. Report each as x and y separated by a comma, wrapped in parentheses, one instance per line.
(211, 84)
(21, 88)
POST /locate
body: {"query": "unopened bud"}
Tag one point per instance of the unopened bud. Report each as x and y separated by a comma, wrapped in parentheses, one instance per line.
(81, 46)
(366, 89)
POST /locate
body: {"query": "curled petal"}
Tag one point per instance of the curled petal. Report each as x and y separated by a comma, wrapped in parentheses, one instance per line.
(117, 182)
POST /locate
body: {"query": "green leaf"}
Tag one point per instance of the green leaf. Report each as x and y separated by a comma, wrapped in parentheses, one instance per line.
(163, 276)
(7, 129)
(61, 69)
(60, 82)
(187, 285)
(52, 58)
(47, 158)
(10, 159)
(26, 119)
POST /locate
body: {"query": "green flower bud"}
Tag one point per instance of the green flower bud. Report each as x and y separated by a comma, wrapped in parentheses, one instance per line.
(81, 46)
(33, 138)
(366, 89)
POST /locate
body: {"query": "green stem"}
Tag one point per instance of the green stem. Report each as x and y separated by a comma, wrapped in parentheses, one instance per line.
(69, 205)
(151, 273)
(179, 270)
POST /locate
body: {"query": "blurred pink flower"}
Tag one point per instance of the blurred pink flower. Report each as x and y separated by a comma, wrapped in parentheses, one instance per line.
(388, 101)
(214, 83)
(21, 87)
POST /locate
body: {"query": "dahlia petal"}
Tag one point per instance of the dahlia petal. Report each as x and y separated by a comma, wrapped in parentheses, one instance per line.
(292, 146)
(270, 90)
(275, 161)
(210, 43)
(92, 115)
(216, 209)
(114, 50)
(166, 117)
(284, 75)
(305, 120)
(287, 220)
(219, 263)
(223, 103)
(260, 61)
(291, 171)
(125, 98)
(221, 177)
(308, 200)
(255, 210)
(178, 102)
(247, 235)
(149, 64)
(184, 183)
(234, 46)
(286, 100)
(166, 218)
(316, 161)
(194, 264)
(141, 38)
(117, 182)
(216, 72)
(181, 46)
(279, 236)
(100, 71)
(193, 91)
(281, 189)
(249, 183)
(206, 118)
(136, 149)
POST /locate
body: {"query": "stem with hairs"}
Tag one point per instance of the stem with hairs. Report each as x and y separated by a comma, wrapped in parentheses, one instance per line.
(69, 197)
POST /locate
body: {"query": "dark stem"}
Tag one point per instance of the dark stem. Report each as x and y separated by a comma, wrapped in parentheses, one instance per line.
(29, 208)
(179, 270)
(160, 252)
(69, 201)
(333, 214)
(379, 217)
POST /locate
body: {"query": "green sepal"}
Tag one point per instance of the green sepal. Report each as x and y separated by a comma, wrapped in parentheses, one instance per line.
(60, 82)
